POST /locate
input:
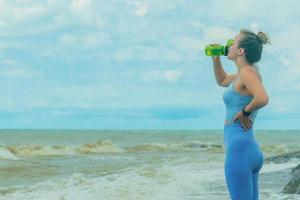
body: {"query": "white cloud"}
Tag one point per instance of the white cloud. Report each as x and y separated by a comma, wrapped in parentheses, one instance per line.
(230, 9)
(216, 35)
(85, 96)
(186, 42)
(148, 52)
(109, 96)
(84, 40)
(60, 113)
(162, 75)
(278, 12)
(286, 40)
(172, 75)
(172, 55)
(124, 54)
(6, 103)
(286, 55)
(14, 13)
(255, 27)
(287, 103)
(140, 52)
(26, 13)
(289, 72)
(141, 10)
(30, 18)
(68, 40)
(16, 73)
(80, 5)
(11, 69)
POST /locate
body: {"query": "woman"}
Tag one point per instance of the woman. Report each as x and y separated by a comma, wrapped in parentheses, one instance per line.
(243, 97)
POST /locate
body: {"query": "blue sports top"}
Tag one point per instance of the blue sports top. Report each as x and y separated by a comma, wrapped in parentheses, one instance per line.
(235, 102)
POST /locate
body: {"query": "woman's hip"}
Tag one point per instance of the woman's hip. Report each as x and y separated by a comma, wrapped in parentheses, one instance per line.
(234, 134)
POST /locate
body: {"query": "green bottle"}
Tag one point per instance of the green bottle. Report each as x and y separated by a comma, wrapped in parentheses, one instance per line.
(217, 49)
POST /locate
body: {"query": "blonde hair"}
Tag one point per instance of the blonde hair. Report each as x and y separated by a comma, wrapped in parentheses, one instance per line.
(253, 44)
(264, 38)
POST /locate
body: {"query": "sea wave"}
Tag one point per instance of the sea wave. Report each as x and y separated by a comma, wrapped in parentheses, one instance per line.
(274, 167)
(106, 146)
(185, 146)
(143, 182)
(7, 154)
(275, 148)
(21, 151)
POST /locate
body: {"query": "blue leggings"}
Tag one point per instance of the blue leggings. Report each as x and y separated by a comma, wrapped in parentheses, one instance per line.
(243, 161)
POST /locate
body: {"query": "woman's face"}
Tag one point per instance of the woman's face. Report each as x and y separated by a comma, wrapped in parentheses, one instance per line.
(234, 51)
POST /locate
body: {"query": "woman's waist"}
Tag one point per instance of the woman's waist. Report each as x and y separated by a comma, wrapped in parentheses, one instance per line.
(237, 126)
(227, 122)
(235, 130)
(229, 118)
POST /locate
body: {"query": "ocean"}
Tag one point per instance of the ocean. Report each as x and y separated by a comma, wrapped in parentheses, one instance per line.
(131, 164)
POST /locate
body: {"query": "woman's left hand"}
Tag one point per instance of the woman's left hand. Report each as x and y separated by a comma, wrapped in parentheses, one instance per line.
(245, 121)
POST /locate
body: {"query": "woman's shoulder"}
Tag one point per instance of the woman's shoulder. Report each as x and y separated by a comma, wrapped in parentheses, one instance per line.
(250, 72)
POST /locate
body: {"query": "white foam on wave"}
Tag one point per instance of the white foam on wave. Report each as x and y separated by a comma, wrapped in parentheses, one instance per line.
(99, 147)
(273, 167)
(163, 182)
(32, 150)
(179, 146)
(275, 148)
(5, 154)
(270, 194)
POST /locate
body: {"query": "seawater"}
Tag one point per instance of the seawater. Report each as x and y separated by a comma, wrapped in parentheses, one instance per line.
(132, 164)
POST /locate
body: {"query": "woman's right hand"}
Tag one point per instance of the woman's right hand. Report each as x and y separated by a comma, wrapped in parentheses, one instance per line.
(215, 58)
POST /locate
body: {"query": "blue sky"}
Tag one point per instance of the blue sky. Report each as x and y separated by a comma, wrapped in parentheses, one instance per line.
(113, 64)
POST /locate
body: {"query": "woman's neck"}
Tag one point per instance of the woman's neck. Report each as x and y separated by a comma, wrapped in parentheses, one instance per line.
(241, 64)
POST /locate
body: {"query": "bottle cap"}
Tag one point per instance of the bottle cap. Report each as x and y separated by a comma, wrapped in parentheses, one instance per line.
(229, 42)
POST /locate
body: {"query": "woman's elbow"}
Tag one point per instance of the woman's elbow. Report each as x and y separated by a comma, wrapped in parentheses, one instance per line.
(264, 100)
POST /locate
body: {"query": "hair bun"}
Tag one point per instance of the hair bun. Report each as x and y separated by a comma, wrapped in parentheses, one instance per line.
(263, 37)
